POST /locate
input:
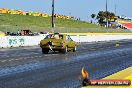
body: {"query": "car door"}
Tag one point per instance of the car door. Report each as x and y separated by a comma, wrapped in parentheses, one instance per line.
(71, 43)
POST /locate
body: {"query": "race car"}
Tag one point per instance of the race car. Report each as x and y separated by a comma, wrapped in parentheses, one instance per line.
(58, 42)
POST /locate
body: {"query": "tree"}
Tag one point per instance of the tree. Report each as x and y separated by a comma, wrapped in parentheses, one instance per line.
(103, 15)
(93, 16)
(100, 17)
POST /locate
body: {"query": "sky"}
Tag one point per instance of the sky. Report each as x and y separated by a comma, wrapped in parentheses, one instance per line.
(78, 8)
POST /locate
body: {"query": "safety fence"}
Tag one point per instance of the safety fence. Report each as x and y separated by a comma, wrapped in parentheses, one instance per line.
(17, 41)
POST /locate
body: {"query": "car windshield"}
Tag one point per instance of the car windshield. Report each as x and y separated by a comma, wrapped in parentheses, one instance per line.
(54, 36)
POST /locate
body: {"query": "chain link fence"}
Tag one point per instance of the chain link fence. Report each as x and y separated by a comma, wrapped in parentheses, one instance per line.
(8, 28)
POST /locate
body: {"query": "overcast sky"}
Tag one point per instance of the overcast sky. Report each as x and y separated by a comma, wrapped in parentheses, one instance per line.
(77, 8)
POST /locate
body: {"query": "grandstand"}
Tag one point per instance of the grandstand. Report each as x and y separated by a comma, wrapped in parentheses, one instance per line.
(129, 25)
(125, 24)
(121, 22)
(31, 13)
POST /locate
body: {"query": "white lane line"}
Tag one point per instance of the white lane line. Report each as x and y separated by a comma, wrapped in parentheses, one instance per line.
(24, 58)
(11, 60)
(32, 57)
(45, 55)
(7, 56)
(17, 59)
(3, 60)
(54, 54)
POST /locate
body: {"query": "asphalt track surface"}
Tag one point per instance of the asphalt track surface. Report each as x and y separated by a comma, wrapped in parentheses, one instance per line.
(27, 67)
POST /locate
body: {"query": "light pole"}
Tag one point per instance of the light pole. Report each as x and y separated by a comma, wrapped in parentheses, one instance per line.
(115, 9)
(53, 16)
(106, 14)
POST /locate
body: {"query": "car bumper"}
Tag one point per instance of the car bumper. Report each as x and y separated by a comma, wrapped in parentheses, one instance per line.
(52, 47)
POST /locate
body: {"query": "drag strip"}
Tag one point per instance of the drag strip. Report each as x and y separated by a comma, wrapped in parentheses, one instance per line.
(29, 68)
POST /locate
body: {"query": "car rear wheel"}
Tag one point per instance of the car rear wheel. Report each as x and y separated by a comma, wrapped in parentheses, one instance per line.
(74, 49)
(65, 50)
(45, 51)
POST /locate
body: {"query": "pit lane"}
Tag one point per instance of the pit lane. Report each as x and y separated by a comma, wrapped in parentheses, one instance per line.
(29, 68)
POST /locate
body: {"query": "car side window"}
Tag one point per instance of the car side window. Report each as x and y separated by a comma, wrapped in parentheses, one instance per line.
(60, 36)
(69, 38)
(66, 37)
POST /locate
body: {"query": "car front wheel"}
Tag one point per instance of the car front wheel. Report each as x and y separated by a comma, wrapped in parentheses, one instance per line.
(74, 49)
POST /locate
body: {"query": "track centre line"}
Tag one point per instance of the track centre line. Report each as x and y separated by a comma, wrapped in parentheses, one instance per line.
(24, 58)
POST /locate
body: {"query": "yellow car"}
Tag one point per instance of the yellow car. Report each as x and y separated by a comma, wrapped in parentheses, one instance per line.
(57, 42)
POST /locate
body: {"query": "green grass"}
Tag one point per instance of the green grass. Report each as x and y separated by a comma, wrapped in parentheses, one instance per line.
(92, 30)
(14, 23)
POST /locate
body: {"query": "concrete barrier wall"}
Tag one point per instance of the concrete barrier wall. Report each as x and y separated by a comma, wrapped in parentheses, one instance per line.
(96, 38)
(17, 41)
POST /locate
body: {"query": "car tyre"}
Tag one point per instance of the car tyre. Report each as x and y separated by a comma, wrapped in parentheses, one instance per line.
(74, 49)
(45, 51)
(65, 50)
